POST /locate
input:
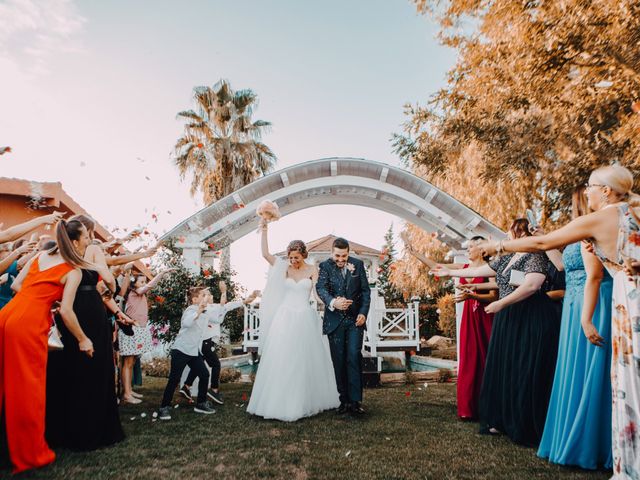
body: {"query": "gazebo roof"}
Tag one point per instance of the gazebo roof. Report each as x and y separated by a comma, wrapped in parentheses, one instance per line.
(324, 245)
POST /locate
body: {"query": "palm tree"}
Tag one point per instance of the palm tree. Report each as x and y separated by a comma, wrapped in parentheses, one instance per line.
(221, 146)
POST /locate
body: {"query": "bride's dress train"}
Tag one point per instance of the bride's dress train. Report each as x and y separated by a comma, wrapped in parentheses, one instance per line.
(295, 376)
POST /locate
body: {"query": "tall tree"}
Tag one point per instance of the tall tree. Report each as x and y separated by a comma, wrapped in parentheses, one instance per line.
(387, 289)
(546, 91)
(221, 146)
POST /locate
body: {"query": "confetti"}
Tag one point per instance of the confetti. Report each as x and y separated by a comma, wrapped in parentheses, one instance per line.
(154, 414)
(154, 217)
(143, 415)
(169, 212)
(141, 160)
(147, 178)
(132, 418)
(176, 406)
(200, 145)
(348, 453)
(83, 164)
(4, 150)
(387, 438)
(426, 384)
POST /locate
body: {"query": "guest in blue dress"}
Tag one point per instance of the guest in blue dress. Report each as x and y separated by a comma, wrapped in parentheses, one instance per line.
(577, 430)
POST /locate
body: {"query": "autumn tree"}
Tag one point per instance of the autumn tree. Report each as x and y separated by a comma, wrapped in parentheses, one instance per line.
(544, 91)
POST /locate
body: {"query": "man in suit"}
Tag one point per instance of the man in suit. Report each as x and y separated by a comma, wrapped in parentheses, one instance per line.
(344, 289)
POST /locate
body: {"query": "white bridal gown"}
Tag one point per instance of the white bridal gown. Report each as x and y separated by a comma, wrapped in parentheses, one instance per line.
(295, 376)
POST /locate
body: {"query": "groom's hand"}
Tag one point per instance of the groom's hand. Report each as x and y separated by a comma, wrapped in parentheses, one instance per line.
(360, 320)
(342, 303)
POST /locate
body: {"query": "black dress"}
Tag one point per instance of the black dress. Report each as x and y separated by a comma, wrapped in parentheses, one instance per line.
(82, 409)
(521, 358)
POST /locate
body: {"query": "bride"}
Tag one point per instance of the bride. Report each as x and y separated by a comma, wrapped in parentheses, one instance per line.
(295, 376)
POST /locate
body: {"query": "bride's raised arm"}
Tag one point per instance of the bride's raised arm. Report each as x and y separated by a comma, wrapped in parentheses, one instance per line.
(265, 244)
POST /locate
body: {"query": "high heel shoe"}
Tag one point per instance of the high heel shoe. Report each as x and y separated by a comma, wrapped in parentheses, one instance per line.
(131, 400)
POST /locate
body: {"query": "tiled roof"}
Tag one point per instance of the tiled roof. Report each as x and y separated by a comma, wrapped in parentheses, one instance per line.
(324, 245)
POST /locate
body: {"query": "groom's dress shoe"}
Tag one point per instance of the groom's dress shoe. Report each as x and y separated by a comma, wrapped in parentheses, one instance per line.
(342, 409)
(356, 409)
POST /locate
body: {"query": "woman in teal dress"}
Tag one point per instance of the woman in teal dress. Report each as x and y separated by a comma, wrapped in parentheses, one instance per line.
(577, 430)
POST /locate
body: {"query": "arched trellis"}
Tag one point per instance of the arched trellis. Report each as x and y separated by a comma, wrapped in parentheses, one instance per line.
(338, 180)
(327, 181)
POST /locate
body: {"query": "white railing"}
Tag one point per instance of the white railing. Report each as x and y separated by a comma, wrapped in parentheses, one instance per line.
(388, 328)
(393, 329)
(251, 330)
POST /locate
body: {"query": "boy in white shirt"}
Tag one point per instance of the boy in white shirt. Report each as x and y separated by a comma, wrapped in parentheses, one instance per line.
(210, 340)
(186, 352)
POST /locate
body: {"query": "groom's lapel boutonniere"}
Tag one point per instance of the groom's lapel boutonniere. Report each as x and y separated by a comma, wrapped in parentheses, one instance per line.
(350, 268)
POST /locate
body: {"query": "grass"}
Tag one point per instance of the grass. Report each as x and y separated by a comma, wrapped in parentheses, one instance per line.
(402, 436)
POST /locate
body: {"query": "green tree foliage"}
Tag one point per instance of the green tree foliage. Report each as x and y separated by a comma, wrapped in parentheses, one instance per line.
(168, 299)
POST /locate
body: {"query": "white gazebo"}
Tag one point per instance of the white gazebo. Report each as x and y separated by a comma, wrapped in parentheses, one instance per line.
(338, 180)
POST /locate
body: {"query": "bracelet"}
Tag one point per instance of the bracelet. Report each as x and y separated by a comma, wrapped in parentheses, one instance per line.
(500, 248)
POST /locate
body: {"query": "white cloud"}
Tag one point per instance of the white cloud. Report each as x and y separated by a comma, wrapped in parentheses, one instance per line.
(33, 30)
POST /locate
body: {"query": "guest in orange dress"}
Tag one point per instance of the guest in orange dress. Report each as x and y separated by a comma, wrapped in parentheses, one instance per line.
(24, 327)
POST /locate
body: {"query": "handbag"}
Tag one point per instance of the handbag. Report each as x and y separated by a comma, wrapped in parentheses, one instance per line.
(516, 278)
(55, 341)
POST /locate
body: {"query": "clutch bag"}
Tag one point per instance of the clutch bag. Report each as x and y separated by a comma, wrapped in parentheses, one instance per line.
(516, 278)
(55, 341)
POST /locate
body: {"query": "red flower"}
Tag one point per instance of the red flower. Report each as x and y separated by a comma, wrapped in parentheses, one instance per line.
(436, 278)
(206, 273)
(635, 238)
(200, 145)
(244, 397)
(211, 246)
(407, 394)
(159, 299)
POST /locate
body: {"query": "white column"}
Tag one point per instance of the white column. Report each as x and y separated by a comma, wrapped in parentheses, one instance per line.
(459, 257)
(191, 253)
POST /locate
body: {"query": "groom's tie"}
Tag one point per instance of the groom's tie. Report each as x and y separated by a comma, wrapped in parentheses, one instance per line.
(343, 270)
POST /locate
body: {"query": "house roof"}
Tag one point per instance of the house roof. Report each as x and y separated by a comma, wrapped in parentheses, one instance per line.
(51, 196)
(325, 244)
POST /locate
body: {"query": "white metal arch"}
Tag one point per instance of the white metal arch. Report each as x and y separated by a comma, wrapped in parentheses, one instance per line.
(338, 180)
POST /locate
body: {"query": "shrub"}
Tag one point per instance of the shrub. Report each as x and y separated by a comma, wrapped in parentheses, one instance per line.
(447, 315)
(158, 367)
(229, 375)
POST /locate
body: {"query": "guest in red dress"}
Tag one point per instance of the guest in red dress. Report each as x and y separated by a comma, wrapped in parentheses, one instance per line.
(475, 328)
(25, 321)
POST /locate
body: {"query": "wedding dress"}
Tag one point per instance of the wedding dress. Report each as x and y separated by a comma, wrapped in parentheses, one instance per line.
(295, 377)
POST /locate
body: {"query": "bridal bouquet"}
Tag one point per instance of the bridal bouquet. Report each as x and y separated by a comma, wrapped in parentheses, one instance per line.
(268, 211)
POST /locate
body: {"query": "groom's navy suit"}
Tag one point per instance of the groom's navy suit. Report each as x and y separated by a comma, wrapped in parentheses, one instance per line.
(345, 339)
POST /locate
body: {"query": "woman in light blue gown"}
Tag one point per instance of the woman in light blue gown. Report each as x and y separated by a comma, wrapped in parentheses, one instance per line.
(577, 430)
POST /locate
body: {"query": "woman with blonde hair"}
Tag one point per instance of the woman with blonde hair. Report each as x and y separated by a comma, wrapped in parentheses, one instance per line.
(582, 385)
(614, 229)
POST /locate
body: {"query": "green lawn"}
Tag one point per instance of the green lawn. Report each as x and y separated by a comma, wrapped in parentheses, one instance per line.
(402, 436)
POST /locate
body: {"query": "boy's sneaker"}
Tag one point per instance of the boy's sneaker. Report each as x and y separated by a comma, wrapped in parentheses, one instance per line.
(204, 407)
(186, 393)
(164, 413)
(215, 396)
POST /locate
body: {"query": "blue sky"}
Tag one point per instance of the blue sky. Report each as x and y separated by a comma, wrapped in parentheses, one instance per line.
(88, 87)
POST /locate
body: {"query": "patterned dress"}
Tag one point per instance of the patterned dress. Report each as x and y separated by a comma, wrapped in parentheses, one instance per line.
(625, 363)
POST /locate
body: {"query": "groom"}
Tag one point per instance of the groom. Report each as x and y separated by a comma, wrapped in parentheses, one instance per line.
(344, 289)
